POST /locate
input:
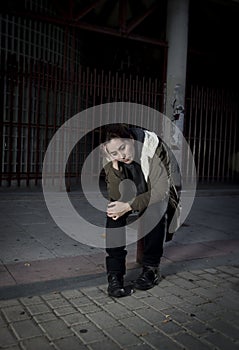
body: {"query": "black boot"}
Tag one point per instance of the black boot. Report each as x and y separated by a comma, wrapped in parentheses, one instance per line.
(148, 278)
(116, 286)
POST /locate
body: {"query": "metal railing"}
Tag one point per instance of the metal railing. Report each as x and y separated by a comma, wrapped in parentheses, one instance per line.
(211, 130)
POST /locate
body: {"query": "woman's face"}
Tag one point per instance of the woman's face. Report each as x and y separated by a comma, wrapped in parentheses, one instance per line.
(121, 150)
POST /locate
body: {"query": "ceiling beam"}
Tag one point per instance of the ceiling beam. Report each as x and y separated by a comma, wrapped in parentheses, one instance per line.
(137, 21)
(86, 10)
(117, 33)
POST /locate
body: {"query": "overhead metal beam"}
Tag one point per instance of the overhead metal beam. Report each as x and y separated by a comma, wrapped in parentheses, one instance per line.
(137, 21)
(89, 27)
(113, 32)
(86, 10)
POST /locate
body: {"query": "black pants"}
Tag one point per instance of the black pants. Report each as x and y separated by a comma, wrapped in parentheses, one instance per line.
(116, 246)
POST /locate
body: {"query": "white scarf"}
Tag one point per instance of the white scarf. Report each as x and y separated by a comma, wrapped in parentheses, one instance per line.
(150, 145)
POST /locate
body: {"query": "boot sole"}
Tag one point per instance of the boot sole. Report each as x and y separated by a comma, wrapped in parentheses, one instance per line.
(146, 287)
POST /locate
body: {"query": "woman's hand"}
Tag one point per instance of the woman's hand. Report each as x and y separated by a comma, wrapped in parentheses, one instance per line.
(117, 209)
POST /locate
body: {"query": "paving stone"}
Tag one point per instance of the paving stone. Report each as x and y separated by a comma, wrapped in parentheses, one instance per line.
(191, 342)
(204, 283)
(26, 329)
(104, 300)
(228, 269)
(143, 346)
(213, 308)
(168, 326)
(181, 282)
(230, 301)
(10, 302)
(181, 292)
(137, 326)
(90, 308)
(177, 315)
(222, 276)
(166, 283)
(221, 342)
(51, 296)
(93, 292)
(81, 301)
(205, 292)
(198, 272)
(2, 321)
(231, 316)
(225, 328)
(187, 307)
(150, 315)
(37, 309)
(141, 294)
(105, 345)
(171, 300)
(89, 333)
(233, 280)
(211, 270)
(69, 343)
(75, 318)
(118, 311)
(65, 310)
(198, 327)
(159, 292)
(31, 300)
(49, 316)
(59, 302)
(123, 336)
(132, 303)
(38, 343)
(210, 277)
(197, 300)
(188, 275)
(6, 337)
(156, 303)
(15, 313)
(56, 329)
(71, 294)
(103, 319)
(159, 340)
(204, 316)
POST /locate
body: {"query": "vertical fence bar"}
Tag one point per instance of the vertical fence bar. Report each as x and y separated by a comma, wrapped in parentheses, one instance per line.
(225, 141)
(215, 134)
(200, 122)
(235, 146)
(218, 135)
(29, 124)
(210, 112)
(13, 85)
(19, 122)
(37, 86)
(205, 138)
(190, 120)
(3, 89)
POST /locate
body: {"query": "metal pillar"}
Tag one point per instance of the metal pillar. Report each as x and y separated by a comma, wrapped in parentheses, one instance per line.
(177, 38)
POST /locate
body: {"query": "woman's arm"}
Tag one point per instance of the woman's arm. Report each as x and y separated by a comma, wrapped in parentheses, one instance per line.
(158, 181)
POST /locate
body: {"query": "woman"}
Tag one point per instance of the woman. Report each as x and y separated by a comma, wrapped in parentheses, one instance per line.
(137, 155)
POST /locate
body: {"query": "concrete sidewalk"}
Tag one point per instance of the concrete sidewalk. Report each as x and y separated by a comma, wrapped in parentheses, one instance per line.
(53, 289)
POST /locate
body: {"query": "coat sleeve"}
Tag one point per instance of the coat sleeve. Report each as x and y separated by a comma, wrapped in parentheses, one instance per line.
(113, 178)
(158, 182)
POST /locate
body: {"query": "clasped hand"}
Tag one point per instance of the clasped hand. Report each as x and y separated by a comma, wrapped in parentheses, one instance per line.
(117, 209)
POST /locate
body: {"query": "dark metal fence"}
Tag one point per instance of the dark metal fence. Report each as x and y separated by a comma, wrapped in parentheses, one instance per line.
(39, 97)
(211, 129)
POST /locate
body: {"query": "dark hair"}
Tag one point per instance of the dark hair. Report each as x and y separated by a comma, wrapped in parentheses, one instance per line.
(113, 131)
